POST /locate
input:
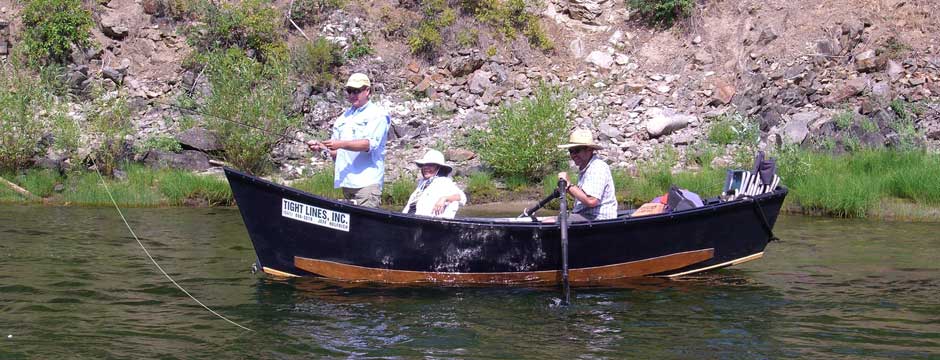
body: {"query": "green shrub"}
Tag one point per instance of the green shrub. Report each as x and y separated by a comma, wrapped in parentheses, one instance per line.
(317, 61)
(174, 9)
(733, 129)
(109, 117)
(426, 38)
(908, 136)
(251, 25)
(522, 139)
(312, 12)
(468, 39)
(510, 18)
(24, 102)
(702, 154)
(664, 12)
(251, 93)
(160, 142)
(360, 47)
(844, 119)
(51, 27)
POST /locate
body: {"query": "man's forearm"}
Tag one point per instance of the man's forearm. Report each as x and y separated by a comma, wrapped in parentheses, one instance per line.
(355, 145)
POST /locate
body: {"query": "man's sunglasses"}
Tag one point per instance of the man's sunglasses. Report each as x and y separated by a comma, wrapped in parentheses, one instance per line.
(575, 150)
(351, 91)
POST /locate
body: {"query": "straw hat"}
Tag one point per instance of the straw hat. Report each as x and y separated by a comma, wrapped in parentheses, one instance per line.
(435, 157)
(358, 81)
(580, 137)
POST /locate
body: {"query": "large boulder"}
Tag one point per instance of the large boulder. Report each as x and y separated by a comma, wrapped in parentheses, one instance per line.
(199, 139)
(187, 160)
(665, 121)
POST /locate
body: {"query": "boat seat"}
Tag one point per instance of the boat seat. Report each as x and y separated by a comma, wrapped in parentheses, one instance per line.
(740, 183)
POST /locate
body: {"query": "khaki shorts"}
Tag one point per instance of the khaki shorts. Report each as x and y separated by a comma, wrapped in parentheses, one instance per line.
(369, 196)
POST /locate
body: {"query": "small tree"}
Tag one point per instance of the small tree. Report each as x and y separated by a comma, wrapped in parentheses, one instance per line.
(664, 12)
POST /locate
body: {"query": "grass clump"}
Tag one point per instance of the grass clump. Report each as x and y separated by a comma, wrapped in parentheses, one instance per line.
(733, 129)
(908, 137)
(51, 27)
(662, 12)
(397, 193)
(522, 138)
(481, 187)
(178, 187)
(320, 183)
(851, 185)
(251, 93)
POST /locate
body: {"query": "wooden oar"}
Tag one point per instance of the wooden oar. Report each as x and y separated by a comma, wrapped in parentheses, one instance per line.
(563, 221)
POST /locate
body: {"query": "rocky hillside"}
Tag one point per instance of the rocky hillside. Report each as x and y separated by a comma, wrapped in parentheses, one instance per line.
(830, 75)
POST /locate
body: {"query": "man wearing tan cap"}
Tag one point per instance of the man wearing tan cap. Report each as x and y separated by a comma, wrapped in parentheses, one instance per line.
(594, 195)
(357, 145)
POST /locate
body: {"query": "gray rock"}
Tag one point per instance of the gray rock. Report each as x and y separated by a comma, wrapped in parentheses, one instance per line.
(665, 121)
(466, 65)
(723, 92)
(828, 47)
(113, 75)
(793, 133)
(113, 30)
(767, 35)
(849, 89)
(865, 61)
(187, 160)
(479, 82)
(459, 155)
(301, 94)
(587, 10)
(895, 70)
(702, 57)
(465, 99)
(770, 118)
(199, 139)
(607, 132)
(601, 59)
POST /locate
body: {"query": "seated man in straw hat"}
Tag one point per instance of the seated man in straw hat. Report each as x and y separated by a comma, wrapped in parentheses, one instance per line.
(436, 194)
(594, 196)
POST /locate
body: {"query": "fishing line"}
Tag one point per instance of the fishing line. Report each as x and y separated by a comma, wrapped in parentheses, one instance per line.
(108, 190)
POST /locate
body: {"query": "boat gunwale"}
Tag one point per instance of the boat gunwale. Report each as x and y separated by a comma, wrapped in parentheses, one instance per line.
(477, 221)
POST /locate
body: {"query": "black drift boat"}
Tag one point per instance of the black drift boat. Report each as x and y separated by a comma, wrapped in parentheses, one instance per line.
(298, 234)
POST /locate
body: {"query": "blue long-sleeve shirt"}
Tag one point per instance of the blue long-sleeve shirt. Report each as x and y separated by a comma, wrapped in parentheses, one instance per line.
(356, 169)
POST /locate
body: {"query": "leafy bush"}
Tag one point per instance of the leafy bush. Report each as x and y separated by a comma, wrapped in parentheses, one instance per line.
(523, 137)
(317, 61)
(312, 12)
(664, 12)
(510, 18)
(844, 119)
(23, 103)
(427, 37)
(733, 129)
(251, 93)
(251, 25)
(51, 27)
(908, 136)
(174, 9)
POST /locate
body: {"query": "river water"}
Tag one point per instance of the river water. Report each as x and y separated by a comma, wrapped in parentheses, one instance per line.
(75, 284)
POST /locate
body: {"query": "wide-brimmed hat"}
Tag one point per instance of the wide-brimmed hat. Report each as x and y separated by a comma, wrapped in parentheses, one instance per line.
(358, 81)
(435, 157)
(580, 137)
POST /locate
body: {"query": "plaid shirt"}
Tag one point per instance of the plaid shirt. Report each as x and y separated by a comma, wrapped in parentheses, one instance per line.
(596, 181)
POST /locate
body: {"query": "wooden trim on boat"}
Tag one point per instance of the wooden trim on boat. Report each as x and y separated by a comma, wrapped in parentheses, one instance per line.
(737, 261)
(335, 270)
(279, 273)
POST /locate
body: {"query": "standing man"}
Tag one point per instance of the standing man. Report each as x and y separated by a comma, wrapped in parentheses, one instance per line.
(357, 145)
(594, 195)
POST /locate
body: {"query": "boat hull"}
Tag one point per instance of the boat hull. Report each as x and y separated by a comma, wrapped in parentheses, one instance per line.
(298, 234)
